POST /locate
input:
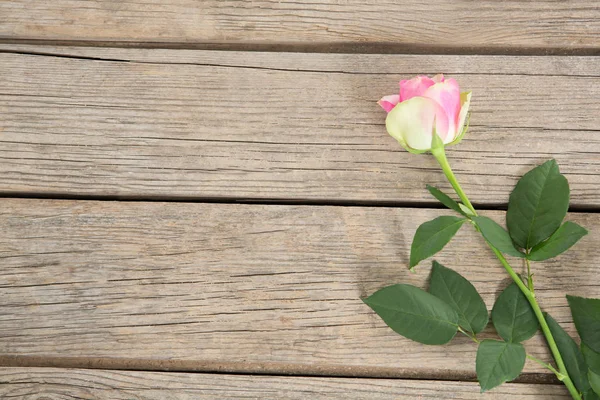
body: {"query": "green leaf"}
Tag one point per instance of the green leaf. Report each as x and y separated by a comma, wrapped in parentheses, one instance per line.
(560, 241)
(415, 314)
(432, 236)
(586, 315)
(590, 395)
(592, 358)
(497, 236)
(537, 205)
(460, 294)
(445, 199)
(571, 355)
(513, 316)
(498, 362)
(594, 381)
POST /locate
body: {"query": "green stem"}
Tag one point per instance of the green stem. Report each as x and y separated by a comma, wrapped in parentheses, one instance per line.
(472, 337)
(440, 156)
(562, 369)
(529, 275)
(547, 366)
(515, 277)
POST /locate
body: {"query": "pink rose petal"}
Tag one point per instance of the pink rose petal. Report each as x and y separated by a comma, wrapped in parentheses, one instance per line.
(389, 102)
(414, 87)
(426, 106)
(447, 95)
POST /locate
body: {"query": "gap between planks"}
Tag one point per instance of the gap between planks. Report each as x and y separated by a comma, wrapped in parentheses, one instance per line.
(433, 205)
(332, 48)
(122, 385)
(253, 368)
(518, 27)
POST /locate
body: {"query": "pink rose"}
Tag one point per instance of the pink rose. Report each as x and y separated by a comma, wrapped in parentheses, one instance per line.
(421, 102)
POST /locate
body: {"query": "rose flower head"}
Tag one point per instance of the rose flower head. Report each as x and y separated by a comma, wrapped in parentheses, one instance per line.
(424, 107)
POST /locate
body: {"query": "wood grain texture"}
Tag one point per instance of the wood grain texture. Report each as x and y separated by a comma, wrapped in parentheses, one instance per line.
(242, 288)
(437, 23)
(208, 124)
(53, 383)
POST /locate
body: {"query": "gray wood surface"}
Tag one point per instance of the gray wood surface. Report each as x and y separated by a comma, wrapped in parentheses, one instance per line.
(54, 383)
(101, 298)
(456, 25)
(304, 127)
(244, 288)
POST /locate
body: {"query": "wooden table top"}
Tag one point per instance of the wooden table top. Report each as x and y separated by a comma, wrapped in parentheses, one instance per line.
(195, 195)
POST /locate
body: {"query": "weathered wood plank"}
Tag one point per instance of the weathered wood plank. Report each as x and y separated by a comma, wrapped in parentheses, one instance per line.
(241, 287)
(205, 124)
(410, 24)
(25, 383)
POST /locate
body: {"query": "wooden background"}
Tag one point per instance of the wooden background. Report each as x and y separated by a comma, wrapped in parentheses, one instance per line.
(196, 194)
